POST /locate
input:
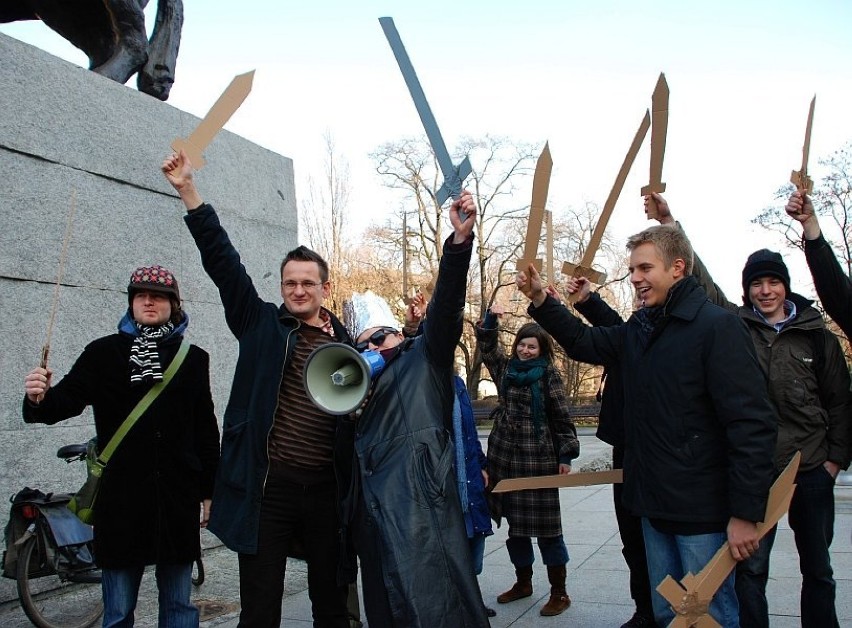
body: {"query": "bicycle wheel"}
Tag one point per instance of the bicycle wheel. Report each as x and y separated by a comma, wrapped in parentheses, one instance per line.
(198, 573)
(51, 601)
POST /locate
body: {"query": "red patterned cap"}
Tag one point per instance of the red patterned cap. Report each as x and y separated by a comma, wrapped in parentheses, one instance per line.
(154, 278)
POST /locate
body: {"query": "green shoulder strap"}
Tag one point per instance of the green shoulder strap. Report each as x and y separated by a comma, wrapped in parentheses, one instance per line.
(144, 404)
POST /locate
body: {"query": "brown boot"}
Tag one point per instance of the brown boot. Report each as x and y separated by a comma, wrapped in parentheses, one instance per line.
(521, 589)
(559, 599)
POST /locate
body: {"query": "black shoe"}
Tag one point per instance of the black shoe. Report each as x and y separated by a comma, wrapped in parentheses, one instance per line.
(490, 612)
(639, 620)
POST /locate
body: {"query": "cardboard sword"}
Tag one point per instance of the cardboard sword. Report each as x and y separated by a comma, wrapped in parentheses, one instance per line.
(563, 480)
(541, 185)
(800, 178)
(45, 350)
(219, 114)
(659, 127)
(690, 598)
(584, 267)
(453, 176)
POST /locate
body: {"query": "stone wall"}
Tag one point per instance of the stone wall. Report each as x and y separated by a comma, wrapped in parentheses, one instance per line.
(66, 131)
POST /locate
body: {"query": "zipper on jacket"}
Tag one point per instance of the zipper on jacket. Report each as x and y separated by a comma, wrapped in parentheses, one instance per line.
(275, 412)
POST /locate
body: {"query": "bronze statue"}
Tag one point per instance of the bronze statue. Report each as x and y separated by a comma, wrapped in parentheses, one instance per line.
(112, 34)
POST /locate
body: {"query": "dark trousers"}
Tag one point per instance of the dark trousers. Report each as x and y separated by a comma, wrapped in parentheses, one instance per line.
(811, 517)
(633, 544)
(293, 510)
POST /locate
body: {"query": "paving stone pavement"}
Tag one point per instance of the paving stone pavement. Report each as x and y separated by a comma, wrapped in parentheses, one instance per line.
(597, 575)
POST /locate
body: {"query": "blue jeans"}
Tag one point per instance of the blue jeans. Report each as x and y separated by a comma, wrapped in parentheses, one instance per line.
(552, 548)
(811, 517)
(675, 555)
(174, 583)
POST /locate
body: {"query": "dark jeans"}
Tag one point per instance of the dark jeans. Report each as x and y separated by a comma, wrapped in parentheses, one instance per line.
(811, 517)
(633, 544)
(552, 548)
(311, 514)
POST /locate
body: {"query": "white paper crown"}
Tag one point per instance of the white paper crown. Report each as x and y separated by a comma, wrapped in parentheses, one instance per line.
(367, 310)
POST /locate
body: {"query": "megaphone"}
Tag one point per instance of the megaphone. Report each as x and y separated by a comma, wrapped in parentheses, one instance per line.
(337, 378)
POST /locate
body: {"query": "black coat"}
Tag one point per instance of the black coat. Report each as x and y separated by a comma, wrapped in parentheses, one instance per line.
(147, 510)
(611, 417)
(267, 335)
(832, 284)
(410, 529)
(700, 427)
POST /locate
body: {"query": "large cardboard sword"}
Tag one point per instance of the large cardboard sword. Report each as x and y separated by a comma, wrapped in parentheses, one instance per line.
(800, 178)
(690, 598)
(584, 267)
(541, 185)
(453, 176)
(219, 114)
(659, 128)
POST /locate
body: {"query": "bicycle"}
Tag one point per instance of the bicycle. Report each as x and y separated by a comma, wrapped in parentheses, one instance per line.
(49, 552)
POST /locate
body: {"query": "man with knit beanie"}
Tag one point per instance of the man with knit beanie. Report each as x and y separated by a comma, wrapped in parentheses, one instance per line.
(167, 459)
(808, 382)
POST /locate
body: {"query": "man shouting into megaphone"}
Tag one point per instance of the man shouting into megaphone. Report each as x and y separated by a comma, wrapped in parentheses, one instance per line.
(406, 517)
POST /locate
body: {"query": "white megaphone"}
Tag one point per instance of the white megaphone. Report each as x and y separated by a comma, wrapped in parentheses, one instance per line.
(337, 378)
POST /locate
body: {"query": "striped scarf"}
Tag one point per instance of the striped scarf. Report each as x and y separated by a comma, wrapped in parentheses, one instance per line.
(145, 364)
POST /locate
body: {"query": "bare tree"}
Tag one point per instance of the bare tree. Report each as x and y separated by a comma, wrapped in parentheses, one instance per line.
(324, 219)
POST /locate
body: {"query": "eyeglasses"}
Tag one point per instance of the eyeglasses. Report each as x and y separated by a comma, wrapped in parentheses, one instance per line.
(291, 285)
(377, 338)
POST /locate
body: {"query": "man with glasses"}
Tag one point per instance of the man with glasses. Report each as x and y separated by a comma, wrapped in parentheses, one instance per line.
(285, 463)
(404, 508)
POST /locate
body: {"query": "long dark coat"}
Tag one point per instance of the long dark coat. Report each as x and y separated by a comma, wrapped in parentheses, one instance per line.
(515, 449)
(409, 529)
(147, 510)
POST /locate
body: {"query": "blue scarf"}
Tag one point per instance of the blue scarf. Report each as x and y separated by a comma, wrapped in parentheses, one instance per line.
(528, 373)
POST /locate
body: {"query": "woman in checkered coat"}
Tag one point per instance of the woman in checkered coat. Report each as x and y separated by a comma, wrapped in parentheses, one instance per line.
(532, 435)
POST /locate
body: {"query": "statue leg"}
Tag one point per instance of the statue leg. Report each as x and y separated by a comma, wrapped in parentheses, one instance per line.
(158, 74)
(131, 51)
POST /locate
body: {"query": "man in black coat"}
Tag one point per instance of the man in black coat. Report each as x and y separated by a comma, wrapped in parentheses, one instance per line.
(700, 430)
(832, 284)
(408, 523)
(285, 463)
(147, 509)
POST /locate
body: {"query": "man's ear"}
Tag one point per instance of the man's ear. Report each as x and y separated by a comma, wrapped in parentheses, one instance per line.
(679, 267)
(326, 289)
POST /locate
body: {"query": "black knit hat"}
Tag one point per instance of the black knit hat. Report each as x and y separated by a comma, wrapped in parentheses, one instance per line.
(765, 263)
(154, 278)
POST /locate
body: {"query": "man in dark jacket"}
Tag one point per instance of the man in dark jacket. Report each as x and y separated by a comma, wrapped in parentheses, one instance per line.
(285, 463)
(700, 430)
(809, 386)
(416, 568)
(833, 286)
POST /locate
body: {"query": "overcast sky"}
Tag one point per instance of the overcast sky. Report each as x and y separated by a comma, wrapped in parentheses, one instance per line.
(576, 73)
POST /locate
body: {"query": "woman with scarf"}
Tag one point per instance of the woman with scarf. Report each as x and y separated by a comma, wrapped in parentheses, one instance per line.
(532, 435)
(147, 510)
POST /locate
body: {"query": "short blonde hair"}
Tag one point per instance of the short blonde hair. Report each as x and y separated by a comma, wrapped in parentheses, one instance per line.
(670, 241)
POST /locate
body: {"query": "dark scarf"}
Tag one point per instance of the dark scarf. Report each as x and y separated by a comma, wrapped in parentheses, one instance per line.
(528, 373)
(652, 320)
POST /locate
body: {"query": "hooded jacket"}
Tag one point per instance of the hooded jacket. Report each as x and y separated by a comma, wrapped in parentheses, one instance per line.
(807, 378)
(266, 334)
